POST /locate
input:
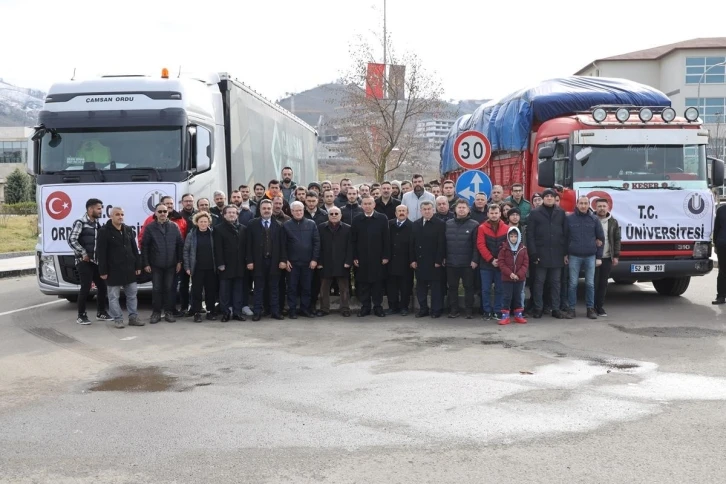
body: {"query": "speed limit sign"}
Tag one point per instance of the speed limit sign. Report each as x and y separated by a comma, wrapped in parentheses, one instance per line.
(472, 150)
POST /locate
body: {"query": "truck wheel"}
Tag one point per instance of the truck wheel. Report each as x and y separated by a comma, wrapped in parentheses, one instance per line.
(672, 286)
(624, 282)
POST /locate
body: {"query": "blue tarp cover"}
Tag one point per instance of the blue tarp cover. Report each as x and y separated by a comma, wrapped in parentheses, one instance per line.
(508, 122)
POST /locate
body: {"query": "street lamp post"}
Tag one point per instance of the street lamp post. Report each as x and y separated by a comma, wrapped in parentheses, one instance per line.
(698, 98)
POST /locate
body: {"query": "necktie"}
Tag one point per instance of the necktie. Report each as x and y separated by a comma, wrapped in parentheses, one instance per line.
(267, 224)
(399, 224)
(424, 222)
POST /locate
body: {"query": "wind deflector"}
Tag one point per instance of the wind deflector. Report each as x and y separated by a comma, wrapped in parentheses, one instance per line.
(137, 118)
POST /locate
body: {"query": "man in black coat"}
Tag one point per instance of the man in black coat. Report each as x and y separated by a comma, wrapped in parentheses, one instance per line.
(162, 255)
(336, 259)
(371, 252)
(400, 275)
(230, 255)
(428, 246)
(119, 263)
(266, 256)
(546, 245)
(462, 257)
(303, 251)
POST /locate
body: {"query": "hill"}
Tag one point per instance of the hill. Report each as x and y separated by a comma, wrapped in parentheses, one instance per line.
(19, 106)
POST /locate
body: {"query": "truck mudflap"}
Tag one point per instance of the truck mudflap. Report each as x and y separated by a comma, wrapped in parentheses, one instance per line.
(650, 270)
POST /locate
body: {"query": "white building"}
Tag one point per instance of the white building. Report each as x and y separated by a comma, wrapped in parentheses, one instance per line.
(434, 131)
(690, 73)
(13, 153)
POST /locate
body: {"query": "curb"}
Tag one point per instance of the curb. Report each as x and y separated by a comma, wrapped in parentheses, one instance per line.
(12, 255)
(17, 273)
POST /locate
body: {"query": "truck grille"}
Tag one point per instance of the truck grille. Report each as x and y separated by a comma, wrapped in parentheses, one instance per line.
(68, 270)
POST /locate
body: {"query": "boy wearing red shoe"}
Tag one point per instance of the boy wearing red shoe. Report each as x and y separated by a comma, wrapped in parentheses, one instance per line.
(513, 262)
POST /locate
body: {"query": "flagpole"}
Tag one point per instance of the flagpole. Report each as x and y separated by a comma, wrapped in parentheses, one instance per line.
(385, 40)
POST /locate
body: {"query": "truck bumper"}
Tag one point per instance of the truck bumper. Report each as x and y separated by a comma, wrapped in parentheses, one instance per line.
(672, 268)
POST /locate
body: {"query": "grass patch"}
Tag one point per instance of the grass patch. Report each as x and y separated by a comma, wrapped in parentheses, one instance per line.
(18, 233)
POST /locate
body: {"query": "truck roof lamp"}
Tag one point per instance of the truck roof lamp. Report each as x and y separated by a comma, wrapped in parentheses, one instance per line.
(599, 115)
(691, 114)
(165, 73)
(622, 114)
(668, 115)
(645, 115)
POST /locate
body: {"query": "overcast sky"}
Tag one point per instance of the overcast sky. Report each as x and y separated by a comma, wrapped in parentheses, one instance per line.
(478, 49)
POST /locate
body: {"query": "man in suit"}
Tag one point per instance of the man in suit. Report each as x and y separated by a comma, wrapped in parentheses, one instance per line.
(371, 252)
(428, 247)
(400, 275)
(266, 256)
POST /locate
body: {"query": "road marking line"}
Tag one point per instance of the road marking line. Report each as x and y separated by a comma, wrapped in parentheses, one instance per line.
(32, 307)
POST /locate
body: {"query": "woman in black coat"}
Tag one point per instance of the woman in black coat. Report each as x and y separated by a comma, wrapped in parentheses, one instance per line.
(199, 264)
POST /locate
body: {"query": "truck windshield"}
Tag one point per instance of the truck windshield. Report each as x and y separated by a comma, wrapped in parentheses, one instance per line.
(108, 149)
(678, 165)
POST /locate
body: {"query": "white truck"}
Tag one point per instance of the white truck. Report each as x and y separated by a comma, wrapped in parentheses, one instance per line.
(131, 139)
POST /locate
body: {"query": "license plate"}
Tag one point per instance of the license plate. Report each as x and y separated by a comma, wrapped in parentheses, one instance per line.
(647, 267)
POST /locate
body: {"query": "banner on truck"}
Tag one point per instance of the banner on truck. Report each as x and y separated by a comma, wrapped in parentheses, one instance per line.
(659, 215)
(61, 205)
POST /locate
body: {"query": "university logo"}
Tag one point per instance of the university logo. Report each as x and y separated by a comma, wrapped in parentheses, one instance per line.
(696, 205)
(151, 199)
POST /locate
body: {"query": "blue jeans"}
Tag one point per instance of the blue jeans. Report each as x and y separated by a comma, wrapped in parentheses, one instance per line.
(114, 307)
(588, 264)
(489, 276)
(301, 276)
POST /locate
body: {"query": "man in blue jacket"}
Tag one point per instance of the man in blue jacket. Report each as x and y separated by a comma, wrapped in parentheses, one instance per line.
(585, 237)
(303, 253)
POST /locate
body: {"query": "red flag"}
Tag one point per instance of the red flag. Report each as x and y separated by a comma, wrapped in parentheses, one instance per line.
(375, 80)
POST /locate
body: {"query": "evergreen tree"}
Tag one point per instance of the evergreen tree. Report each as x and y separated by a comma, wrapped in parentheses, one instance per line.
(16, 187)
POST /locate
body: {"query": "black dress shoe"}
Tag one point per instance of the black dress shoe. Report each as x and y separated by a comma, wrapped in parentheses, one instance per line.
(292, 315)
(363, 313)
(240, 317)
(379, 312)
(719, 300)
(321, 313)
(393, 311)
(345, 313)
(307, 314)
(422, 314)
(225, 317)
(278, 316)
(256, 317)
(404, 312)
(435, 315)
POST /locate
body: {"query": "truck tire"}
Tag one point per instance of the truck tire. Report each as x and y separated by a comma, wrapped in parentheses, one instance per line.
(672, 286)
(624, 282)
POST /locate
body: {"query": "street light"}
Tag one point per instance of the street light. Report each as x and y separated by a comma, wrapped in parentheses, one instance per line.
(698, 98)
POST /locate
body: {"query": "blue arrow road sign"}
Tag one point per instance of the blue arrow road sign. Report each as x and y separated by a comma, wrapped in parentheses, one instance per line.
(472, 182)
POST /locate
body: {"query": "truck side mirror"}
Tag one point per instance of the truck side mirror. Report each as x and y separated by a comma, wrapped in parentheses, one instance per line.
(546, 152)
(202, 149)
(546, 173)
(30, 161)
(717, 172)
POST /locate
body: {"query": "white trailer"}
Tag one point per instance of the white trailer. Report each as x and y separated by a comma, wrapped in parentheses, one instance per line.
(130, 139)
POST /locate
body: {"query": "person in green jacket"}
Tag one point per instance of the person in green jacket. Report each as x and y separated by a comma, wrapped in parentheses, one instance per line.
(517, 199)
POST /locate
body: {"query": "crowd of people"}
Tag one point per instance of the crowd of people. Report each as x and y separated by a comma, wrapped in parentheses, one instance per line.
(283, 250)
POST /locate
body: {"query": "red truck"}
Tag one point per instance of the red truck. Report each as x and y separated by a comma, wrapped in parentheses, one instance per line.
(613, 139)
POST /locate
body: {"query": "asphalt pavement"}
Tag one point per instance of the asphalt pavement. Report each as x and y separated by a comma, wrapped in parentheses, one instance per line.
(638, 396)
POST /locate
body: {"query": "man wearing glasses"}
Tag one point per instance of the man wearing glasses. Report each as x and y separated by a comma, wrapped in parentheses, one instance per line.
(517, 199)
(162, 253)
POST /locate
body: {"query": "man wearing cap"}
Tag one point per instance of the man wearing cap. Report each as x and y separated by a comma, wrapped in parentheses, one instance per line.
(546, 244)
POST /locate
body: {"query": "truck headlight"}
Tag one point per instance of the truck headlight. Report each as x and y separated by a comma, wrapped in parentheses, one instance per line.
(47, 270)
(701, 250)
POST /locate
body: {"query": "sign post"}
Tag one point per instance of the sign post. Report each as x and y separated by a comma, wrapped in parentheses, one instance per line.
(472, 150)
(472, 182)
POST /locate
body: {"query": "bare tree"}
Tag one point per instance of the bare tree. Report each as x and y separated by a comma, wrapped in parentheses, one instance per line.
(381, 129)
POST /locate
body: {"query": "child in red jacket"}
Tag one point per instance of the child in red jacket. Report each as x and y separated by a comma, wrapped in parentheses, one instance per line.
(513, 262)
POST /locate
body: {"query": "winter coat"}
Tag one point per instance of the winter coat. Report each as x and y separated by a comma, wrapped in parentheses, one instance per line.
(371, 244)
(321, 216)
(190, 250)
(546, 237)
(428, 247)
(614, 237)
(525, 208)
(719, 227)
(84, 238)
(230, 250)
(445, 217)
(303, 241)
(582, 232)
(388, 209)
(118, 255)
(511, 262)
(288, 193)
(401, 255)
(413, 203)
(162, 245)
(488, 243)
(461, 249)
(349, 212)
(173, 217)
(336, 250)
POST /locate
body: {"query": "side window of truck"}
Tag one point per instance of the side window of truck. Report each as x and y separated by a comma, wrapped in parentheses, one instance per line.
(203, 149)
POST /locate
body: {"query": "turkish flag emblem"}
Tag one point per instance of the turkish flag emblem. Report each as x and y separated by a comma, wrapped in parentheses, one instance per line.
(58, 205)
